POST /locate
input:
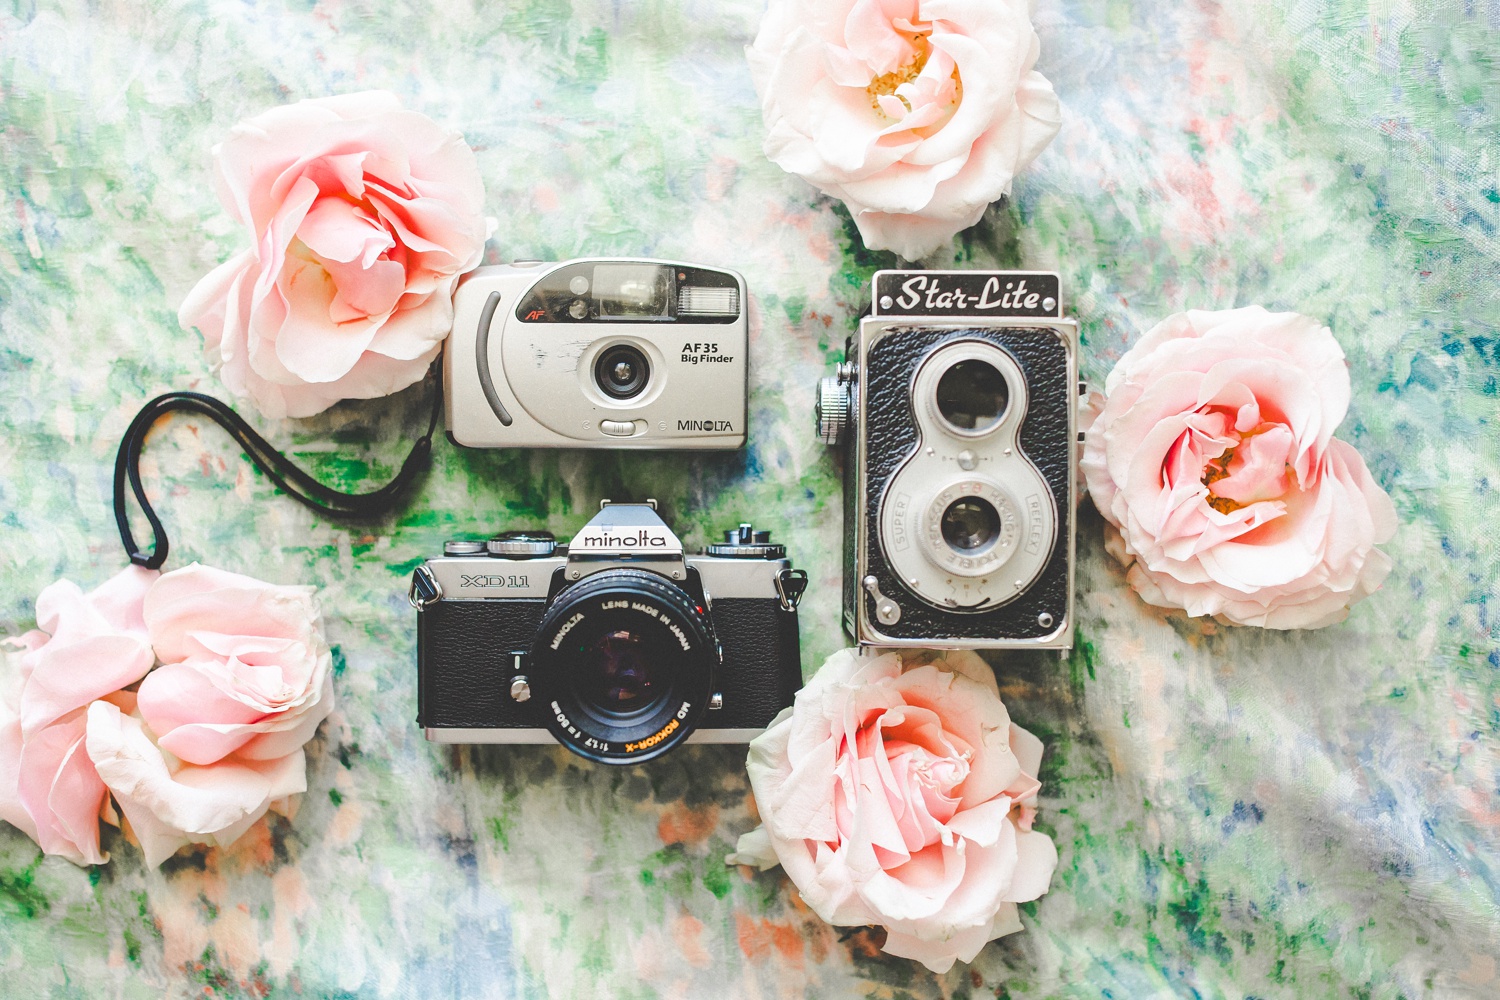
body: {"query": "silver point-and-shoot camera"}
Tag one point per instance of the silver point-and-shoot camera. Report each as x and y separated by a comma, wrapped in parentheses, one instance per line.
(598, 353)
(956, 409)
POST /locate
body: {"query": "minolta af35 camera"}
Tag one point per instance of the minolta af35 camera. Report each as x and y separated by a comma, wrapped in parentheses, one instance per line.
(598, 353)
(618, 646)
(956, 408)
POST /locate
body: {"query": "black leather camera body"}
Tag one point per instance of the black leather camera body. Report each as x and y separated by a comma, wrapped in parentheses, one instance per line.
(617, 645)
(956, 407)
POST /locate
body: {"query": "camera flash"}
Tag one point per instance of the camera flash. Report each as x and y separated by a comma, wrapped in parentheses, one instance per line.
(702, 300)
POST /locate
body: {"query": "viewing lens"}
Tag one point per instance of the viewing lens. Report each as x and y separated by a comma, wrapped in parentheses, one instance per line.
(970, 525)
(972, 395)
(615, 674)
(622, 371)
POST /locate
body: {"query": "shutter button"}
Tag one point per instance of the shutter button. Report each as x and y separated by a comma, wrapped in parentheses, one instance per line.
(617, 428)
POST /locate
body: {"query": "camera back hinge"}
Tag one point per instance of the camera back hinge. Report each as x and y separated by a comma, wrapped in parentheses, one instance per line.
(790, 586)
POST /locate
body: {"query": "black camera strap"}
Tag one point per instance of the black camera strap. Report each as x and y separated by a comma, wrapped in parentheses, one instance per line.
(277, 467)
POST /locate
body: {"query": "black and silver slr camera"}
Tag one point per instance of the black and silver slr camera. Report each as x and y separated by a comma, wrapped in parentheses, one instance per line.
(598, 353)
(956, 408)
(618, 645)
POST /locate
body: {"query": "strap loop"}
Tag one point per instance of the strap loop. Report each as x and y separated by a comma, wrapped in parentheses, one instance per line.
(277, 467)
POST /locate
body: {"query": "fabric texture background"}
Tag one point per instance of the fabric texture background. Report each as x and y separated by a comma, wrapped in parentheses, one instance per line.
(1237, 812)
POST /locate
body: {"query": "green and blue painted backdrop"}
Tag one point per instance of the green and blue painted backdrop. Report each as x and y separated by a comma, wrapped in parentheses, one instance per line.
(1238, 812)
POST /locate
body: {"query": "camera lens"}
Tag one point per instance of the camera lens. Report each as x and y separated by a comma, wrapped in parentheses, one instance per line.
(970, 525)
(623, 666)
(972, 395)
(622, 371)
(615, 672)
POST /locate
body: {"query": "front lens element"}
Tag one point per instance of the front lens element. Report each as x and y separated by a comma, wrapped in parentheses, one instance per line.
(972, 395)
(615, 672)
(970, 525)
(622, 371)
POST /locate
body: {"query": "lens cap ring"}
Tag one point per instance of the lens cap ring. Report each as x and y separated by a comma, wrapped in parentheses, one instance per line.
(623, 666)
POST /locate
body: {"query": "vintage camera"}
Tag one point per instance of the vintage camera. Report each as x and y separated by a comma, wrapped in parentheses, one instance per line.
(956, 408)
(618, 645)
(598, 353)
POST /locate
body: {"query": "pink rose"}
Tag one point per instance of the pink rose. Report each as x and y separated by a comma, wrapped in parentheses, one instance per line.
(170, 803)
(245, 680)
(917, 113)
(89, 646)
(361, 218)
(1213, 459)
(903, 796)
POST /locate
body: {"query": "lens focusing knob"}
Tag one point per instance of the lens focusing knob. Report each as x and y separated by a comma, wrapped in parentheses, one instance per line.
(522, 544)
(832, 409)
(745, 542)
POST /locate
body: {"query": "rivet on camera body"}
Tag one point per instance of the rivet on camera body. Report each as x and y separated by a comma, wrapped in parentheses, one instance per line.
(598, 353)
(956, 410)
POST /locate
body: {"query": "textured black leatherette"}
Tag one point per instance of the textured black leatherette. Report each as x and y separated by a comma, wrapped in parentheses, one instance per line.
(890, 435)
(762, 662)
(465, 648)
(464, 662)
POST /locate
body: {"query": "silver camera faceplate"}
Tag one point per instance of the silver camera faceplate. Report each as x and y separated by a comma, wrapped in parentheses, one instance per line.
(542, 378)
(491, 578)
(863, 626)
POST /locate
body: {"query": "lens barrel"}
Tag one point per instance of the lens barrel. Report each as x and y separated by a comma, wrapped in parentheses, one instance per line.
(623, 665)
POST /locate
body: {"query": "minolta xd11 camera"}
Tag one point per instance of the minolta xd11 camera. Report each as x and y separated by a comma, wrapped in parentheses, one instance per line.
(598, 353)
(617, 645)
(956, 407)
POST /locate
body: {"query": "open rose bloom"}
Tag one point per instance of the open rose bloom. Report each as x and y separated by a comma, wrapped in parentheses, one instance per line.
(208, 742)
(245, 679)
(916, 113)
(902, 795)
(88, 648)
(361, 217)
(1213, 459)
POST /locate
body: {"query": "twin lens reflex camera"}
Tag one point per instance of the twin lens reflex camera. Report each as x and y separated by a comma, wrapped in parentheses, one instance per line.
(956, 407)
(597, 353)
(618, 646)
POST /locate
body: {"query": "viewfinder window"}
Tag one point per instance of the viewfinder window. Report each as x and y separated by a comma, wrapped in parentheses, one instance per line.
(633, 291)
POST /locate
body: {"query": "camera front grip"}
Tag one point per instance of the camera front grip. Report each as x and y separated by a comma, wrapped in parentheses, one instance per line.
(482, 358)
(292, 480)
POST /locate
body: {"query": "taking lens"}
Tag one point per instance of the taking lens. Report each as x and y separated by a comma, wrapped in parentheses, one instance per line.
(623, 666)
(970, 525)
(972, 395)
(622, 371)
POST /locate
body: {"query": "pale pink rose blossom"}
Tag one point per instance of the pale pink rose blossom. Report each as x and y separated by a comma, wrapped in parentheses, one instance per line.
(902, 795)
(916, 113)
(361, 217)
(1213, 459)
(170, 803)
(88, 647)
(245, 679)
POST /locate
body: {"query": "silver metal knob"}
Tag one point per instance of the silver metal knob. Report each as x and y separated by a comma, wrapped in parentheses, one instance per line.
(463, 547)
(832, 410)
(522, 544)
(520, 688)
